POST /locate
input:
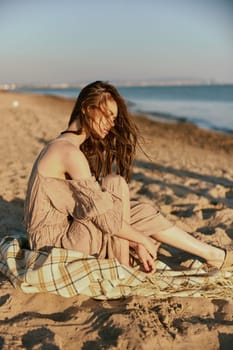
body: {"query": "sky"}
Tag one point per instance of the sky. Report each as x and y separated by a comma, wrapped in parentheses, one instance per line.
(70, 41)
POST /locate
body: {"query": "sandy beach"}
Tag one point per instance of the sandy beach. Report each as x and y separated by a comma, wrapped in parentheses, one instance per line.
(189, 176)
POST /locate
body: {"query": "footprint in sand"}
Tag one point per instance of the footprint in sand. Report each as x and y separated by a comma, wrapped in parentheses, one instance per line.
(40, 336)
(3, 299)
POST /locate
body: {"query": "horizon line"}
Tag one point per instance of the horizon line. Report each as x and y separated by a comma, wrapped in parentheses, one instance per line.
(118, 83)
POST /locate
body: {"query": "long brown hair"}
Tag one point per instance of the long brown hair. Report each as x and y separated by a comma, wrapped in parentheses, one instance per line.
(117, 149)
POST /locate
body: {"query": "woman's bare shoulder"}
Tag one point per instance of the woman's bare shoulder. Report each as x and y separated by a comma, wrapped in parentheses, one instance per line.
(61, 158)
(76, 164)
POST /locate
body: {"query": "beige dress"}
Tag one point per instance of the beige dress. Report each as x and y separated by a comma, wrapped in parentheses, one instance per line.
(83, 215)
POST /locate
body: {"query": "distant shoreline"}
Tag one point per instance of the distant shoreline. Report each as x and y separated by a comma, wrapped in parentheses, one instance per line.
(172, 116)
(168, 118)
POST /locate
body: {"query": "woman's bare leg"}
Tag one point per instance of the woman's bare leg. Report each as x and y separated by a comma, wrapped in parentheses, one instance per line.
(147, 219)
(178, 238)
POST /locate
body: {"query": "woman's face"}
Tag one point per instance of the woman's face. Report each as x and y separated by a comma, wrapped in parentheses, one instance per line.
(103, 117)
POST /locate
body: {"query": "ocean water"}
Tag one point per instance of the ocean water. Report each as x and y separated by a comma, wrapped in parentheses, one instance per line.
(208, 106)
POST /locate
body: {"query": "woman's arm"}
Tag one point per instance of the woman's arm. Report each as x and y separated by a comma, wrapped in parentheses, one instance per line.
(132, 235)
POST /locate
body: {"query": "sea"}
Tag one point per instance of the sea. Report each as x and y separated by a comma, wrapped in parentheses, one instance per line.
(208, 106)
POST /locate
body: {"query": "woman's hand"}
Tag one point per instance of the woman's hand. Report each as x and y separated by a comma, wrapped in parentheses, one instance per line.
(145, 247)
(145, 258)
(147, 253)
(151, 246)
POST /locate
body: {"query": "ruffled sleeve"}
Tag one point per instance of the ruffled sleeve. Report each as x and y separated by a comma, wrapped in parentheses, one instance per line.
(100, 206)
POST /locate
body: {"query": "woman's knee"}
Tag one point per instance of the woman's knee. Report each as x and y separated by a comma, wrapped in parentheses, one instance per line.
(116, 184)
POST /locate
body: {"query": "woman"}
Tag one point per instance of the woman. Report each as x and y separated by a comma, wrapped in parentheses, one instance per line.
(75, 201)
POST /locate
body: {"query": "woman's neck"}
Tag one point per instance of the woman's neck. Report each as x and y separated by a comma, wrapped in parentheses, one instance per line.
(72, 134)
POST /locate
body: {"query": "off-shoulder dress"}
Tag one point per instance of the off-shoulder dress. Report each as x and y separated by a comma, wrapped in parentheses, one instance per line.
(83, 215)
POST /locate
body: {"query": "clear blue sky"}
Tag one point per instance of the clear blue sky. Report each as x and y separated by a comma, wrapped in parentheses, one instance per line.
(54, 41)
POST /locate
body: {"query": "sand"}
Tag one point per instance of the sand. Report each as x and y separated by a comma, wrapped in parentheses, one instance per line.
(190, 177)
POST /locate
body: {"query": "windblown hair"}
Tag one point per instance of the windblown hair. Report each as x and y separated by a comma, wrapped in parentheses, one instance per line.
(116, 151)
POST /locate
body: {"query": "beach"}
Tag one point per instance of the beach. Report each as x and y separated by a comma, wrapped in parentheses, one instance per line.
(187, 172)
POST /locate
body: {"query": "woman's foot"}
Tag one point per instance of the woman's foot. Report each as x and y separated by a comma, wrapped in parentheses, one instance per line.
(217, 258)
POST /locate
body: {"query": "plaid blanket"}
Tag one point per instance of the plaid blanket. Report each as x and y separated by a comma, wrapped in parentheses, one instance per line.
(68, 273)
